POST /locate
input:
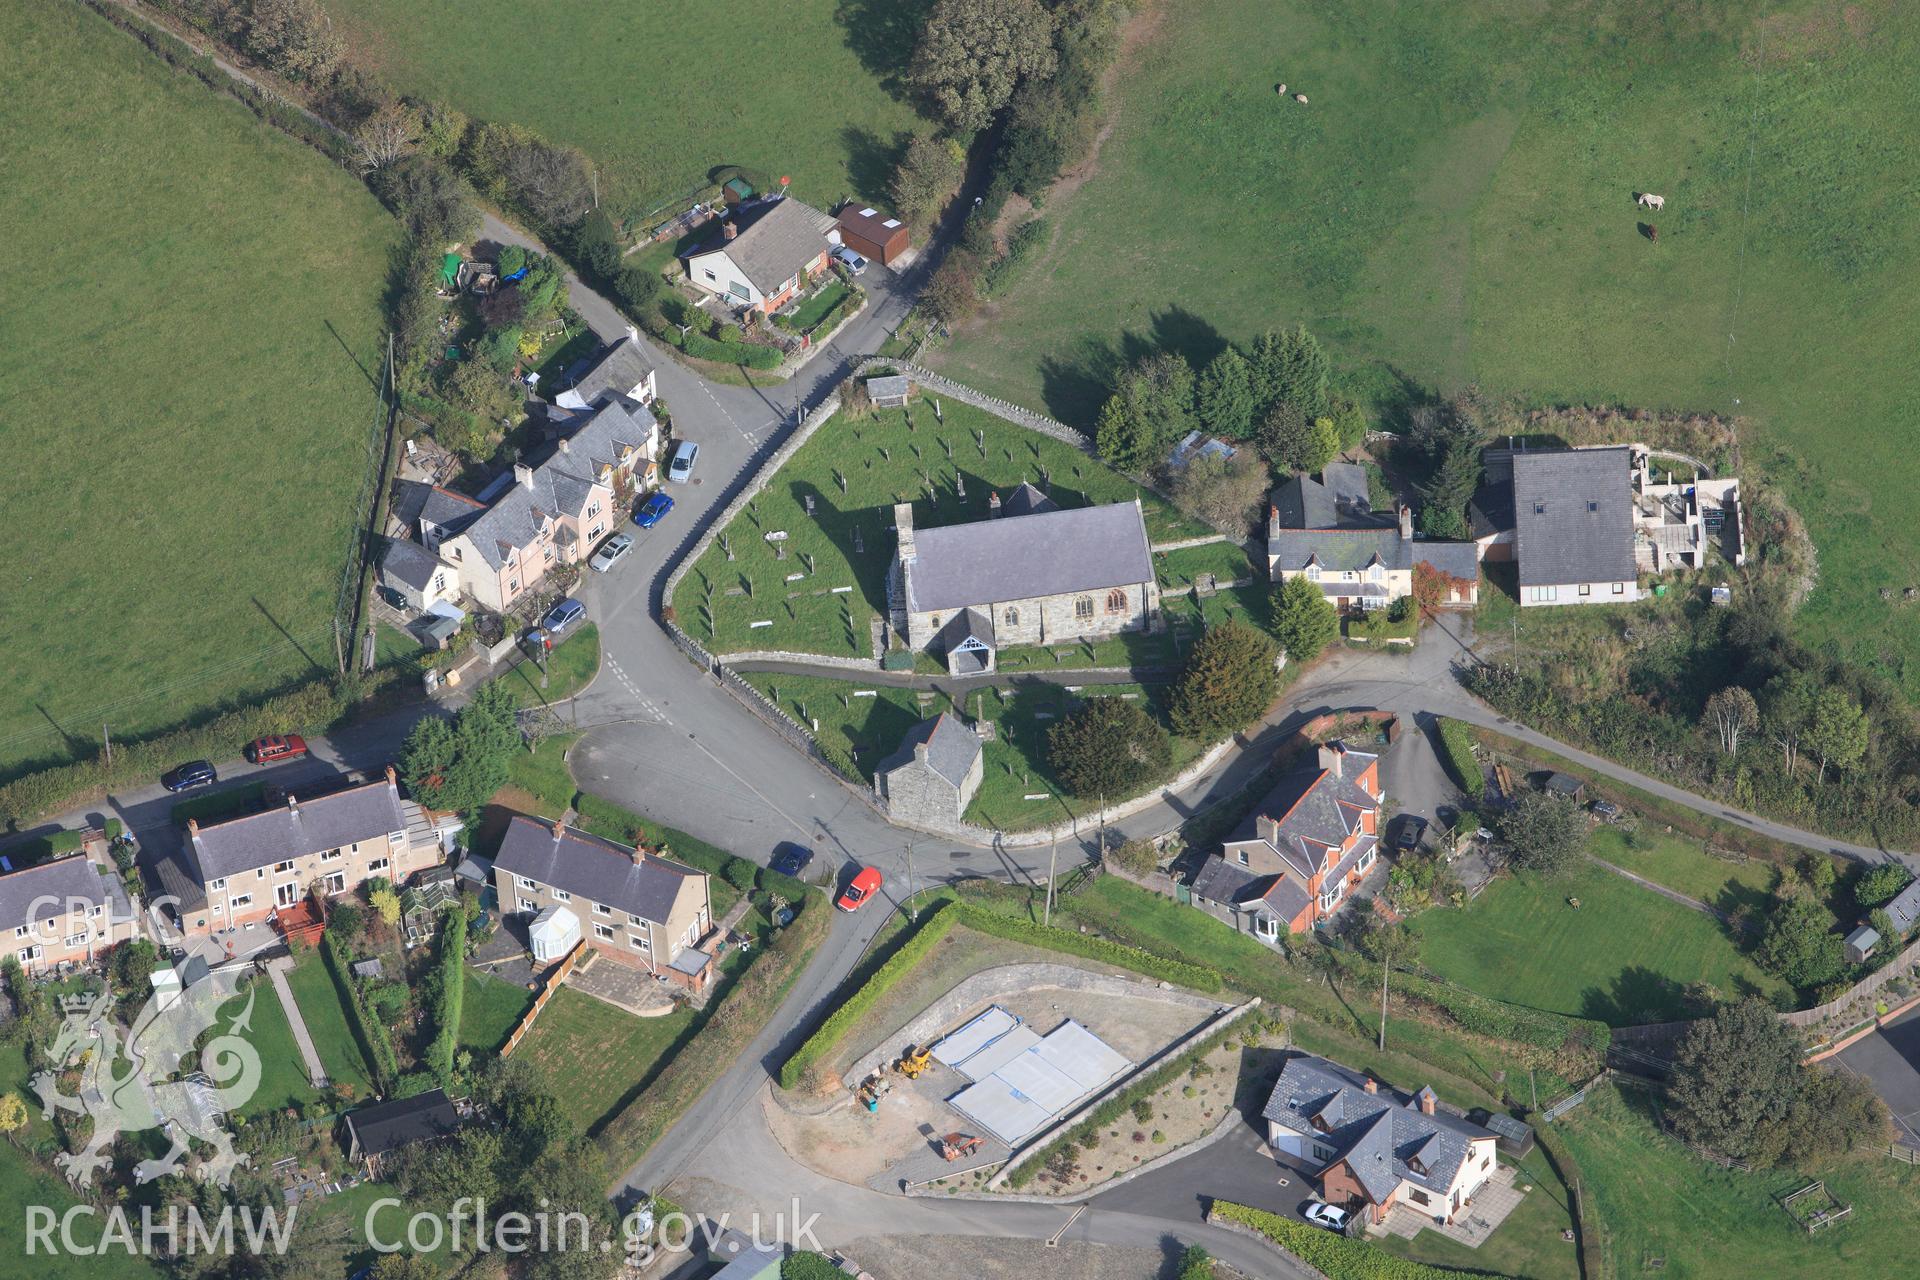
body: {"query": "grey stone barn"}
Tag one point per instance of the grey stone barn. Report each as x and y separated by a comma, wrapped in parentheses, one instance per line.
(931, 779)
(1030, 573)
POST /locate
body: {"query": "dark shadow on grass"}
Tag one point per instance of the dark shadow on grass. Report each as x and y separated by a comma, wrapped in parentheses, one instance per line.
(1638, 995)
(871, 158)
(365, 372)
(286, 635)
(882, 35)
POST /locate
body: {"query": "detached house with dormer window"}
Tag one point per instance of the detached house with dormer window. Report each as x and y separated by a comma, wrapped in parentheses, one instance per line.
(1291, 863)
(1327, 531)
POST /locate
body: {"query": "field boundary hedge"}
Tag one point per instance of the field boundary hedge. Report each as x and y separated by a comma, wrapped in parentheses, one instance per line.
(1087, 947)
(1456, 748)
(937, 924)
(375, 1044)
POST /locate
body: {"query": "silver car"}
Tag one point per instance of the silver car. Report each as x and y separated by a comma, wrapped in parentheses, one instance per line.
(611, 553)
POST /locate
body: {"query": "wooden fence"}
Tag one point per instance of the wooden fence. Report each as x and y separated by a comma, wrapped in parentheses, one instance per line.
(552, 984)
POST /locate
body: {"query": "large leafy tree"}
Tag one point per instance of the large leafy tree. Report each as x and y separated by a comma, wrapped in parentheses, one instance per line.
(1226, 493)
(1736, 1078)
(974, 53)
(1786, 706)
(1542, 832)
(1732, 712)
(1225, 394)
(1304, 621)
(1800, 944)
(1229, 682)
(1881, 884)
(1295, 443)
(458, 765)
(1837, 733)
(928, 174)
(1108, 747)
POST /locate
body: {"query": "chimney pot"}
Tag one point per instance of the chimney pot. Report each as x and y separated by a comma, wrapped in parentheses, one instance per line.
(993, 505)
(393, 779)
(193, 826)
(729, 230)
(1427, 1100)
(292, 803)
(1332, 756)
(523, 474)
(1406, 524)
(1371, 1085)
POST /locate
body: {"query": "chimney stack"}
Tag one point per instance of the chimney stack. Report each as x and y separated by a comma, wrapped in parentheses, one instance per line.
(1332, 756)
(993, 505)
(728, 230)
(523, 474)
(393, 779)
(193, 826)
(1371, 1085)
(1406, 523)
(919, 753)
(1427, 1100)
(903, 525)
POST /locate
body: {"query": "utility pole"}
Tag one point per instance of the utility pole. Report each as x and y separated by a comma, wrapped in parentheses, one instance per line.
(1103, 823)
(1385, 968)
(1053, 862)
(106, 742)
(913, 912)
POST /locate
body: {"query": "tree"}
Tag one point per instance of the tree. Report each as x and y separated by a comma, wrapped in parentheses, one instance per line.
(510, 259)
(953, 294)
(294, 37)
(1732, 712)
(1290, 366)
(1799, 944)
(929, 172)
(1787, 704)
(1434, 587)
(132, 968)
(1448, 490)
(1304, 621)
(1229, 682)
(1292, 443)
(1838, 732)
(1835, 1112)
(1736, 1078)
(460, 765)
(1196, 1264)
(13, 1114)
(553, 183)
(1225, 395)
(1880, 884)
(386, 135)
(1122, 437)
(434, 202)
(441, 128)
(1151, 409)
(403, 1266)
(484, 390)
(1108, 747)
(385, 903)
(974, 53)
(1225, 492)
(502, 308)
(540, 288)
(1542, 833)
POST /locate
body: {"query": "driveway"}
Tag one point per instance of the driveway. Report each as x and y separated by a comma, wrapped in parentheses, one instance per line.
(1890, 1059)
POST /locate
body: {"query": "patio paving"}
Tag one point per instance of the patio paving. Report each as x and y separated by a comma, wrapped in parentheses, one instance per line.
(635, 990)
(1480, 1217)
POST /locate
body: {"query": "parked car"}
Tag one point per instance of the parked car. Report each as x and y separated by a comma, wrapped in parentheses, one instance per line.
(865, 883)
(1332, 1217)
(853, 262)
(279, 746)
(611, 553)
(563, 617)
(680, 470)
(194, 773)
(790, 858)
(1407, 833)
(653, 510)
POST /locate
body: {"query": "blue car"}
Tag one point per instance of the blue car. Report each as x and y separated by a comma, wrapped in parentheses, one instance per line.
(194, 773)
(653, 511)
(790, 859)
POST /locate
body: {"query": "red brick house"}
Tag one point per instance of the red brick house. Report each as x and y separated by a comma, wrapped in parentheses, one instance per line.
(1291, 863)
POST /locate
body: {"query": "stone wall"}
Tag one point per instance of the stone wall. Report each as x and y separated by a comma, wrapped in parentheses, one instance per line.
(1049, 619)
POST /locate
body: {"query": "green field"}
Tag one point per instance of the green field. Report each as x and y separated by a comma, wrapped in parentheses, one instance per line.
(882, 459)
(1658, 1201)
(1456, 204)
(1623, 956)
(188, 407)
(659, 92)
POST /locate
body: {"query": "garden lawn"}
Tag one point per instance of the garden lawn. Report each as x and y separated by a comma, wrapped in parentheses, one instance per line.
(1456, 205)
(591, 1055)
(571, 667)
(211, 294)
(1622, 957)
(1680, 864)
(489, 1011)
(811, 312)
(882, 459)
(326, 1019)
(661, 92)
(283, 1072)
(1226, 561)
(1660, 1201)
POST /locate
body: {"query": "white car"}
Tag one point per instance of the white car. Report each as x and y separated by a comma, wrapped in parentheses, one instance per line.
(611, 552)
(1329, 1216)
(852, 261)
(680, 470)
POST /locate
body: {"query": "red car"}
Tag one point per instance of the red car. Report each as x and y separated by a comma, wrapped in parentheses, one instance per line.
(864, 885)
(275, 748)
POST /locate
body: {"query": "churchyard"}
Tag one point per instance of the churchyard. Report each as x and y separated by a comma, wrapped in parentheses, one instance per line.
(818, 586)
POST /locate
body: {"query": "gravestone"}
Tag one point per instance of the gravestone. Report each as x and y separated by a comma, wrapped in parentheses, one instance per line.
(809, 502)
(859, 543)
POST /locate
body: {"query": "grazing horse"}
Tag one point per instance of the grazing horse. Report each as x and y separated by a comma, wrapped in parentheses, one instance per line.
(1648, 200)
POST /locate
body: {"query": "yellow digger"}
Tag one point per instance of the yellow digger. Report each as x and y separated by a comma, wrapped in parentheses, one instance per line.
(914, 1061)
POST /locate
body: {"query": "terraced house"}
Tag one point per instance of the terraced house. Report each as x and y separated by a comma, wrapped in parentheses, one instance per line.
(64, 913)
(549, 514)
(258, 869)
(632, 906)
(1292, 861)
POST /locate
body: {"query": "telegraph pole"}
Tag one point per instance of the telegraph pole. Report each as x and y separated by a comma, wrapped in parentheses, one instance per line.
(1385, 968)
(106, 742)
(1053, 862)
(913, 912)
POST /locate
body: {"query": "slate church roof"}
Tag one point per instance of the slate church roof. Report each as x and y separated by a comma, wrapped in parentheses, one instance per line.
(1025, 557)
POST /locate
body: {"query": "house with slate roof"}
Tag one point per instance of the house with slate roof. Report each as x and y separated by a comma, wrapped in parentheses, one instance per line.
(1327, 532)
(766, 251)
(1573, 526)
(637, 908)
(1291, 862)
(621, 371)
(553, 513)
(244, 871)
(932, 778)
(64, 912)
(1030, 573)
(1371, 1148)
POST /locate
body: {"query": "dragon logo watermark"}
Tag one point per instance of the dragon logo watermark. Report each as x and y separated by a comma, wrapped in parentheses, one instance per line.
(136, 1080)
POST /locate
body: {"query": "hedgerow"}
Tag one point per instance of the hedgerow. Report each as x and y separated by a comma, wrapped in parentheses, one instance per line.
(1456, 742)
(1104, 950)
(935, 926)
(450, 981)
(1335, 1257)
(372, 1034)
